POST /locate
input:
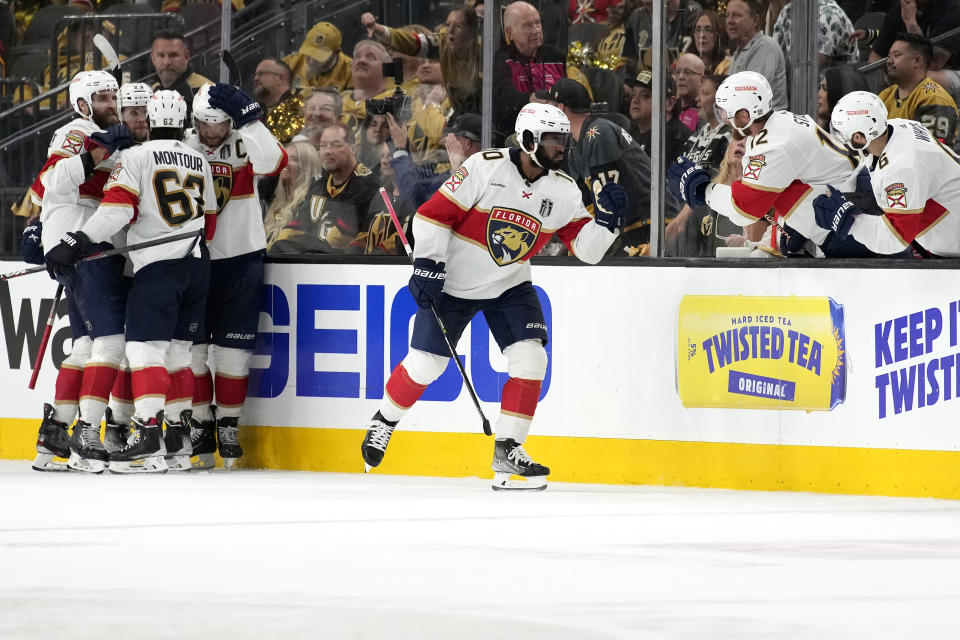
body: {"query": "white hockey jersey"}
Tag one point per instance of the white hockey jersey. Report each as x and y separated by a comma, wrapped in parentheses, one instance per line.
(61, 187)
(785, 167)
(916, 181)
(486, 222)
(161, 188)
(236, 165)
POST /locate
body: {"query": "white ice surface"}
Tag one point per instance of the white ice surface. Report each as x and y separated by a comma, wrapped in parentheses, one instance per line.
(313, 555)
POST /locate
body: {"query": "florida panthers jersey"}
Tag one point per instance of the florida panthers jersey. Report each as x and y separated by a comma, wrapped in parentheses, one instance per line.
(161, 188)
(916, 181)
(62, 189)
(786, 165)
(486, 222)
(236, 165)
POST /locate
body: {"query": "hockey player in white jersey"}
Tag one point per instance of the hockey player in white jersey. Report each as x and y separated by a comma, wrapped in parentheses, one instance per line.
(474, 241)
(915, 180)
(69, 187)
(788, 162)
(133, 109)
(240, 150)
(160, 188)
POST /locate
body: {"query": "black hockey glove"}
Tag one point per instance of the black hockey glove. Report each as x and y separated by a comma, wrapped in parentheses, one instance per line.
(62, 259)
(31, 248)
(113, 138)
(791, 242)
(688, 180)
(611, 207)
(237, 103)
(834, 212)
(426, 283)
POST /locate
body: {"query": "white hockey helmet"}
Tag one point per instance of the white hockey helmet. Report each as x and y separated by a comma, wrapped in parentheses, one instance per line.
(744, 90)
(87, 83)
(859, 112)
(539, 119)
(203, 112)
(166, 109)
(135, 94)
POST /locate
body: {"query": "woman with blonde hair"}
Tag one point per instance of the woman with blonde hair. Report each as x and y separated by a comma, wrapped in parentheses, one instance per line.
(303, 163)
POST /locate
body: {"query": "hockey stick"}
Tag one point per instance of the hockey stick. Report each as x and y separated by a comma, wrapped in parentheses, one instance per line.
(443, 329)
(233, 70)
(109, 252)
(46, 338)
(107, 51)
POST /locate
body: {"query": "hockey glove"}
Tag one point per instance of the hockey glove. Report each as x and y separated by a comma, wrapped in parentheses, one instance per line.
(688, 180)
(237, 103)
(834, 212)
(31, 248)
(611, 207)
(426, 283)
(113, 138)
(791, 242)
(62, 259)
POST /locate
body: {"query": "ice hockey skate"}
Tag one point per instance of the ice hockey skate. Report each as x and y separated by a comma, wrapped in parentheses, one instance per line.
(114, 433)
(514, 470)
(227, 441)
(53, 443)
(203, 444)
(375, 443)
(87, 453)
(177, 443)
(143, 451)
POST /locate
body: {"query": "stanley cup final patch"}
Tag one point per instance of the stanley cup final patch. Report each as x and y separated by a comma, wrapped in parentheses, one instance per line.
(456, 179)
(511, 234)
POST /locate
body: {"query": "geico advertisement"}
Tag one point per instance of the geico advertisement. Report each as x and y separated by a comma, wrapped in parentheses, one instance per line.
(342, 341)
(746, 352)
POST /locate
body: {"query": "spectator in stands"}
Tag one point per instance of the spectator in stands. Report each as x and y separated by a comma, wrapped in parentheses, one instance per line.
(368, 79)
(553, 20)
(303, 163)
(834, 44)
(641, 112)
(170, 57)
(708, 145)
(378, 236)
(457, 48)
(912, 94)
(320, 62)
(710, 43)
(836, 82)
(580, 12)
(284, 108)
(526, 65)
(372, 140)
(929, 18)
(428, 109)
(681, 17)
(610, 43)
(336, 203)
(320, 109)
(754, 51)
(688, 73)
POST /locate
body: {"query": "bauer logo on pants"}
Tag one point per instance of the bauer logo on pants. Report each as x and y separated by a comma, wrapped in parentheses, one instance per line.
(743, 352)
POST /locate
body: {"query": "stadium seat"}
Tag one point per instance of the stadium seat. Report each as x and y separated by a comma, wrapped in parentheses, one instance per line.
(28, 62)
(198, 14)
(44, 22)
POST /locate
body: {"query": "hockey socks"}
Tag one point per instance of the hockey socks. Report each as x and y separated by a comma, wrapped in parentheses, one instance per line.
(149, 390)
(518, 403)
(67, 393)
(402, 392)
(202, 396)
(98, 381)
(179, 394)
(231, 392)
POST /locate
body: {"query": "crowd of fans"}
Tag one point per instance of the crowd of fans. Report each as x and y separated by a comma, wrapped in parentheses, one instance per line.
(401, 109)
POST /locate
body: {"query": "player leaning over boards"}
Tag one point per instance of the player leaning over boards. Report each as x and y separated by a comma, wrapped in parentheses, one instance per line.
(160, 188)
(475, 238)
(240, 149)
(788, 163)
(915, 179)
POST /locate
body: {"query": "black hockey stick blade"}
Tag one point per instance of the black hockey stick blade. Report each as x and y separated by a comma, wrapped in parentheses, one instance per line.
(232, 68)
